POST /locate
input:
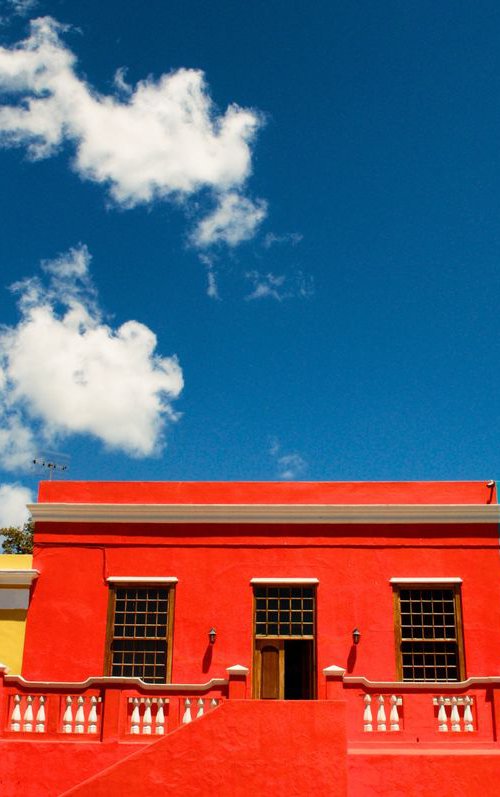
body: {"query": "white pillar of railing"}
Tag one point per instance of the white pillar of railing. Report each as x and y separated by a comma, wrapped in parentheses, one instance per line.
(40, 716)
(92, 720)
(15, 720)
(442, 716)
(135, 719)
(468, 719)
(394, 715)
(28, 715)
(68, 716)
(187, 712)
(80, 715)
(367, 714)
(214, 703)
(455, 716)
(147, 719)
(381, 718)
(160, 718)
(201, 708)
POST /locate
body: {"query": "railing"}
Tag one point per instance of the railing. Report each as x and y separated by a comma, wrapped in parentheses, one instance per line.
(466, 711)
(108, 708)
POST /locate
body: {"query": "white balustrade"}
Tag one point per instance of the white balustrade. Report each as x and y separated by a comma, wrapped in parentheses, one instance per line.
(147, 712)
(394, 719)
(15, 720)
(454, 713)
(201, 708)
(186, 718)
(394, 715)
(147, 719)
(40, 716)
(92, 718)
(80, 716)
(160, 718)
(23, 714)
(367, 715)
(68, 716)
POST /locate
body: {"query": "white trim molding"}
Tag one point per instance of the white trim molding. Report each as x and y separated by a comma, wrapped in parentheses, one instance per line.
(18, 578)
(284, 581)
(425, 580)
(108, 680)
(142, 579)
(265, 513)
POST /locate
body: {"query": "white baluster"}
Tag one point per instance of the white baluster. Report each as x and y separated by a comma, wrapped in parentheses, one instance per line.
(40, 716)
(468, 718)
(367, 715)
(135, 720)
(147, 720)
(68, 716)
(442, 716)
(187, 712)
(80, 716)
(160, 718)
(201, 708)
(28, 715)
(455, 716)
(394, 715)
(15, 720)
(381, 718)
(214, 703)
(92, 726)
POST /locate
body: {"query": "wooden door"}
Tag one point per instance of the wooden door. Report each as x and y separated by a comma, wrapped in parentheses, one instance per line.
(269, 669)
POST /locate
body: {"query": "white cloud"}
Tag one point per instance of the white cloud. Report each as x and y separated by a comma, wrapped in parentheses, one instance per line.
(280, 286)
(271, 238)
(158, 139)
(65, 371)
(289, 466)
(235, 219)
(13, 500)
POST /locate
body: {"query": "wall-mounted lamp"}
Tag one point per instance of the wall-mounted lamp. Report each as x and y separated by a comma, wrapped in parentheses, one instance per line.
(356, 636)
(212, 635)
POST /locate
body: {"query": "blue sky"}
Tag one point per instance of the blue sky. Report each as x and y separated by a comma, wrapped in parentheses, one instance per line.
(250, 241)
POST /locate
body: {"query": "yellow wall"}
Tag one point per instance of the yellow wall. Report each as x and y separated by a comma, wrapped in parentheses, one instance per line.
(13, 621)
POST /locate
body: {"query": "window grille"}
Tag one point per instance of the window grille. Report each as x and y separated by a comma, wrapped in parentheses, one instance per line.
(140, 632)
(284, 611)
(429, 629)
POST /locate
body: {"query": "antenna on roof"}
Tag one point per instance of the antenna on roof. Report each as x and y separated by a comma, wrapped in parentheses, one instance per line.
(53, 461)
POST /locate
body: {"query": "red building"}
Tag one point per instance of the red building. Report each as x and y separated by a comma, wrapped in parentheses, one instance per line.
(241, 638)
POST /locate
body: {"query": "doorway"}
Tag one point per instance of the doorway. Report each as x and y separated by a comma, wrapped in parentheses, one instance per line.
(284, 643)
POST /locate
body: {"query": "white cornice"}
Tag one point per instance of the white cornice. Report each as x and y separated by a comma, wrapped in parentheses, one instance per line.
(285, 581)
(106, 680)
(142, 579)
(421, 686)
(18, 578)
(265, 513)
(426, 580)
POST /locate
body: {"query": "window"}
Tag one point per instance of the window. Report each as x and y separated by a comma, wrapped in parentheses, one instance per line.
(429, 633)
(284, 611)
(140, 632)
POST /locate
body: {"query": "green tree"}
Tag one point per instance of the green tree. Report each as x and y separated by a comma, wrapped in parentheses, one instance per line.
(18, 540)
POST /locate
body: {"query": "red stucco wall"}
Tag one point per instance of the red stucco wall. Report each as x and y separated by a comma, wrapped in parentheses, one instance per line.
(268, 492)
(241, 749)
(214, 567)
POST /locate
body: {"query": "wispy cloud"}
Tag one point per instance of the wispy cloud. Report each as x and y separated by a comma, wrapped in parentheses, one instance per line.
(289, 465)
(212, 286)
(292, 238)
(280, 286)
(235, 219)
(64, 371)
(13, 500)
(160, 139)
(17, 8)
